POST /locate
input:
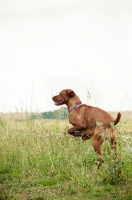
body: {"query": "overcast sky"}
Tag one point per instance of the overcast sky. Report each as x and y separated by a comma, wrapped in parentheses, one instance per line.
(46, 46)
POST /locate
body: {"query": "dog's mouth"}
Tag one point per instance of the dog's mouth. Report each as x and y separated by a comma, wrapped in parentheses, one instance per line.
(58, 103)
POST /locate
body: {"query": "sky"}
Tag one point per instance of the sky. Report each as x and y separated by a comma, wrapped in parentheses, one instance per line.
(47, 46)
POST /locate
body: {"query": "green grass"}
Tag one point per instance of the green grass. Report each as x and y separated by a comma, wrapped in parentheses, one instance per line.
(40, 161)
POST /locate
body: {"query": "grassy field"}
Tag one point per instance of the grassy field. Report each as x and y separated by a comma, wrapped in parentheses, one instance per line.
(40, 161)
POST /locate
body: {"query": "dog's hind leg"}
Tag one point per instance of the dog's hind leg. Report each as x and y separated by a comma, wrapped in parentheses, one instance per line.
(97, 145)
(113, 143)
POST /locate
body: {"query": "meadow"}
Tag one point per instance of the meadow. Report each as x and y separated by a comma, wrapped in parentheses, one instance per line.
(40, 161)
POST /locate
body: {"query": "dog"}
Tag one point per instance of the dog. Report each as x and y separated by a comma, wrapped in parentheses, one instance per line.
(88, 122)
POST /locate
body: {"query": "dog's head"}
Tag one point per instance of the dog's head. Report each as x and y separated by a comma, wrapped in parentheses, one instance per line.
(63, 97)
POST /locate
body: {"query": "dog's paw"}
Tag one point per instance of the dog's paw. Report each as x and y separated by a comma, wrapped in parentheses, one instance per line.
(77, 134)
(86, 137)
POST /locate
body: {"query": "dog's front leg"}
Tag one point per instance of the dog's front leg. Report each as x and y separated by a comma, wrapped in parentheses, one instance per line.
(75, 130)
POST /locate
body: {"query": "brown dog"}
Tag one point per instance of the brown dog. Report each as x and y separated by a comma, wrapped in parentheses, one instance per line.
(88, 122)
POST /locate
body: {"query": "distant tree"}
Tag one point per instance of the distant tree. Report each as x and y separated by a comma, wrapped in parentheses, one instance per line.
(61, 113)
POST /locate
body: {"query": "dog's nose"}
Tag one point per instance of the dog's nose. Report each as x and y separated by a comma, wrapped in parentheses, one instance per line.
(53, 97)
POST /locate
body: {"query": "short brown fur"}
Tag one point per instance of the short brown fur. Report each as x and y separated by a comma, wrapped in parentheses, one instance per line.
(88, 122)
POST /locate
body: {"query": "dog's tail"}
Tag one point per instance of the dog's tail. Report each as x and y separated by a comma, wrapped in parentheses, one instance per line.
(117, 118)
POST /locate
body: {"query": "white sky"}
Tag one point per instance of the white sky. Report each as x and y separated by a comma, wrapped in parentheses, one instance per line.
(46, 46)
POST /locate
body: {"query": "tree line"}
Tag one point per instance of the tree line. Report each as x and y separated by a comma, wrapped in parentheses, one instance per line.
(61, 113)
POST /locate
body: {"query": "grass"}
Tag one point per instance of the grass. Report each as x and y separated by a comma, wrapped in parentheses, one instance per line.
(40, 161)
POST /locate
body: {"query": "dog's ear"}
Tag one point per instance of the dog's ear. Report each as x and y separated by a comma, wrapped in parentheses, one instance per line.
(70, 93)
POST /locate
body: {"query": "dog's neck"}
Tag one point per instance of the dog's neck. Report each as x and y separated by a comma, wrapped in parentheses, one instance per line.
(72, 102)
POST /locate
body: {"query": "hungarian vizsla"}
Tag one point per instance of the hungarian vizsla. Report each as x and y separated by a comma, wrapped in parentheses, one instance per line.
(88, 122)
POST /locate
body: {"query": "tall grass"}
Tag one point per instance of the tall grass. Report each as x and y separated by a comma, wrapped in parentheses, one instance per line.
(39, 160)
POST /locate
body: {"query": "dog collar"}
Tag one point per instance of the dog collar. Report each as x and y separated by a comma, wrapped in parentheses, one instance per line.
(74, 107)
